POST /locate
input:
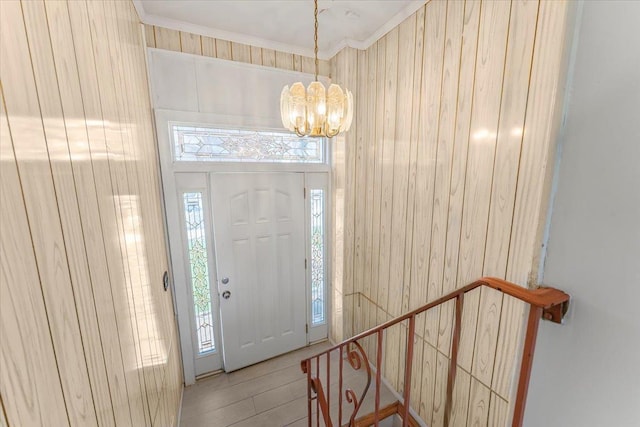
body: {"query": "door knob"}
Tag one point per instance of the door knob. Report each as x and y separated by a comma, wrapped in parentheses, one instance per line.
(226, 294)
(225, 280)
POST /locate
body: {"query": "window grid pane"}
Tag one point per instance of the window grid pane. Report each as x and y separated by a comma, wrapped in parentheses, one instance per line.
(317, 257)
(235, 145)
(199, 271)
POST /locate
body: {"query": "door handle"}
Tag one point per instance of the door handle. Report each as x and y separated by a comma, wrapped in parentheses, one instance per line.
(225, 280)
(226, 294)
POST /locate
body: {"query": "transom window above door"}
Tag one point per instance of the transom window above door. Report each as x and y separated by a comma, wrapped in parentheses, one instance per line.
(212, 144)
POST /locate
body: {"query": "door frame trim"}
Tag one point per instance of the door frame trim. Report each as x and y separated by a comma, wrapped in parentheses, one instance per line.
(168, 169)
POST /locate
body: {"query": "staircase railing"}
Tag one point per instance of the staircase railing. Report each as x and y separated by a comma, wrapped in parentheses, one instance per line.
(547, 303)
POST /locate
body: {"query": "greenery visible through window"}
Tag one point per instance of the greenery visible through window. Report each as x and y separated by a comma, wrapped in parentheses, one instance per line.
(199, 271)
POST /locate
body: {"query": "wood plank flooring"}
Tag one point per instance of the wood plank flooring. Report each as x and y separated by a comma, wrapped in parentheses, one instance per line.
(271, 393)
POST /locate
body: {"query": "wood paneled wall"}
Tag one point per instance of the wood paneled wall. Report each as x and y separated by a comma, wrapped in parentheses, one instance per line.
(444, 178)
(88, 335)
(179, 41)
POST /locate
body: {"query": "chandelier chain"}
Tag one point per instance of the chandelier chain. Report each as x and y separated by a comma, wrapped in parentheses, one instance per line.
(315, 35)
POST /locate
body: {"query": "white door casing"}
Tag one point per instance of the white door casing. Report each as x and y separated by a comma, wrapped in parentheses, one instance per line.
(197, 183)
(317, 175)
(259, 223)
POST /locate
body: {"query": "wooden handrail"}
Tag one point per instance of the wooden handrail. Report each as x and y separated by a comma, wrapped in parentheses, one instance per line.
(548, 303)
(545, 298)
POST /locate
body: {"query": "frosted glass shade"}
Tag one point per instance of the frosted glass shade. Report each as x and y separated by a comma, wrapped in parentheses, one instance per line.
(315, 111)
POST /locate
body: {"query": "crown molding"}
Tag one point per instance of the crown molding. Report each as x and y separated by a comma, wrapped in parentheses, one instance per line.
(325, 54)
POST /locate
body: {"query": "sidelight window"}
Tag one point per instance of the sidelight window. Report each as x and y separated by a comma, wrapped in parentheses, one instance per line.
(199, 271)
(317, 257)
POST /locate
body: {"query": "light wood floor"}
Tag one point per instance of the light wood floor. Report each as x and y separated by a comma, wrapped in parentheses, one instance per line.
(272, 393)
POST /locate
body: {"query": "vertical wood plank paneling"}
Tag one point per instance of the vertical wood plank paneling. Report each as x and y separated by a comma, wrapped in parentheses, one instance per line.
(370, 147)
(439, 392)
(386, 209)
(446, 136)
(74, 84)
(241, 52)
(542, 121)
(155, 241)
(407, 303)
(370, 153)
(124, 199)
(145, 260)
(3, 418)
(269, 57)
(544, 105)
(173, 379)
(121, 348)
(308, 65)
(514, 94)
(386, 184)
(32, 156)
(150, 35)
(147, 217)
(337, 219)
(324, 69)
(106, 52)
(350, 142)
(402, 151)
(350, 65)
(435, 39)
(223, 49)
(492, 39)
(429, 374)
(158, 302)
(208, 46)
(416, 377)
(498, 411)
(167, 39)
(126, 300)
(284, 60)
(459, 163)
(380, 53)
(256, 55)
(348, 318)
(139, 213)
(522, 33)
(180, 41)
(130, 207)
(50, 89)
(297, 63)
(377, 178)
(403, 148)
(360, 171)
(190, 43)
(460, 404)
(479, 397)
(29, 379)
(444, 154)
(427, 134)
(447, 210)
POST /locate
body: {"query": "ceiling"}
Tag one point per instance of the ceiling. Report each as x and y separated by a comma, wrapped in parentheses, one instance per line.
(285, 25)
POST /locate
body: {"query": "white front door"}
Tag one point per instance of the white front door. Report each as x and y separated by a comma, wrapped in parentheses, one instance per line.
(259, 230)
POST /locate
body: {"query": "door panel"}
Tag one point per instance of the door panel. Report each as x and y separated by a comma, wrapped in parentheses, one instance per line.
(260, 248)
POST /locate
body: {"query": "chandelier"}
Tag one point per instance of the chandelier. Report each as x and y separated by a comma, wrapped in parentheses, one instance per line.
(314, 111)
